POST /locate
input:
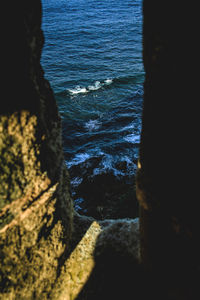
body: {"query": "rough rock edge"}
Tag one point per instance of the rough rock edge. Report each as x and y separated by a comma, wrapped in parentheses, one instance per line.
(121, 237)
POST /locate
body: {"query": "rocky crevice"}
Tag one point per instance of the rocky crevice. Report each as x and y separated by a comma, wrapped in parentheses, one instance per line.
(47, 251)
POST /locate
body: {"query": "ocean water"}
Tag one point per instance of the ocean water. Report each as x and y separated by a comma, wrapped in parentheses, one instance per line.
(92, 57)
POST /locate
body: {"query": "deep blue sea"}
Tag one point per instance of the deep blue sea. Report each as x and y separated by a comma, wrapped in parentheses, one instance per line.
(92, 57)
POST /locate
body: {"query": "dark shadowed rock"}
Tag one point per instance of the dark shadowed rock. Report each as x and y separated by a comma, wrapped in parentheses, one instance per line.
(108, 196)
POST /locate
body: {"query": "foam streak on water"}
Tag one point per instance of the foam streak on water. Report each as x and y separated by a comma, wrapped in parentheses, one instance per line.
(96, 86)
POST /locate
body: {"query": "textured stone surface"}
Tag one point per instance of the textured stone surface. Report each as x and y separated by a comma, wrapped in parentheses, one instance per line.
(35, 204)
(104, 253)
(79, 265)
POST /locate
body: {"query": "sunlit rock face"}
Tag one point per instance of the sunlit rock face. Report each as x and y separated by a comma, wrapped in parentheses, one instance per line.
(35, 205)
(104, 263)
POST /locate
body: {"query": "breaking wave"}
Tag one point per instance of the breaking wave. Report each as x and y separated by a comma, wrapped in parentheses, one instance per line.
(96, 86)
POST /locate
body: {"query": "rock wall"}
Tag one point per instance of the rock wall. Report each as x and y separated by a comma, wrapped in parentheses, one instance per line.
(35, 205)
(167, 185)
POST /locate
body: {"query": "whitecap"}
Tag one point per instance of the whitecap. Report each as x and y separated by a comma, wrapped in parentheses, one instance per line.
(107, 165)
(132, 138)
(78, 90)
(130, 126)
(108, 81)
(127, 160)
(78, 159)
(97, 85)
(97, 171)
(107, 162)
(92, 125)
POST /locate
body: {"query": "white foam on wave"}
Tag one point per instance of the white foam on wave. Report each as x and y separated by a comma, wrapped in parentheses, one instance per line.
(78, 159)
(78, 90)
(108, 81)
(127, 160)
(132, 138)
(130, 126)
(107, 165)
(96, 86)
(92, 125)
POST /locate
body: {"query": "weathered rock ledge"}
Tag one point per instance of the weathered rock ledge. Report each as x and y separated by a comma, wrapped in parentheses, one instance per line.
(98, 246)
